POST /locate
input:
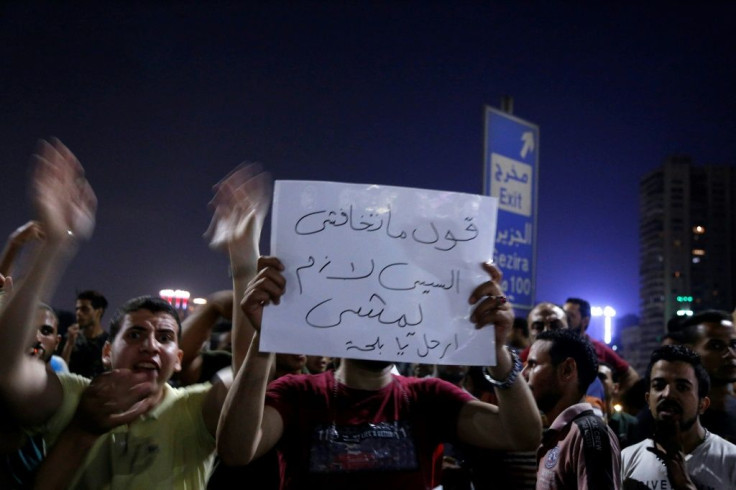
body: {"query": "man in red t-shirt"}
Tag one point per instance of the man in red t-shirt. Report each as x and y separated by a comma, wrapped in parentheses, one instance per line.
(361, 426)
(578, 318)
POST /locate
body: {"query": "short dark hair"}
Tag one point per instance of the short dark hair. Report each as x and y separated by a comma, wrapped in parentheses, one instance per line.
(582, 304)
(568, 343)
(676, 337)
(681, 353)
(150, 303)
(45, 307)
(95, 298)
(687, 326)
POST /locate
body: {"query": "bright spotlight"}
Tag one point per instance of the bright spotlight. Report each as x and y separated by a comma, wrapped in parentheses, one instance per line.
(607, 312)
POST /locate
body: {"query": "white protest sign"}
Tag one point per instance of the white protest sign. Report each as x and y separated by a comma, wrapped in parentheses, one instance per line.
(379, 272)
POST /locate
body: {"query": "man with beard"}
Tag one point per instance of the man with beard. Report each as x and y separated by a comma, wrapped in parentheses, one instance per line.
(682, 454)
(85, 339)
(712, 335)
(547, 316)
(47, 337)
(578, 451)
(361, 426)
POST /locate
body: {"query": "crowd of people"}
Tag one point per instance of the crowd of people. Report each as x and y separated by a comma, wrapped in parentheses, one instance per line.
(155, 400)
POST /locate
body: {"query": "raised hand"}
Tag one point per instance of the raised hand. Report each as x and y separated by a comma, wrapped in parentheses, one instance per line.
(240, 204)
(64, 200)
(668, 449)
(491, 305)
(26, 233)
(266, 288)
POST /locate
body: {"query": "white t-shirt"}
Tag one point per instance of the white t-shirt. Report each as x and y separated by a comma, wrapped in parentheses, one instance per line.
(712, 465)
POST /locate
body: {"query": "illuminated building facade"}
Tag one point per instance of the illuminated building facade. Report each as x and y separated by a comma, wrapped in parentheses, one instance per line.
(686, 260)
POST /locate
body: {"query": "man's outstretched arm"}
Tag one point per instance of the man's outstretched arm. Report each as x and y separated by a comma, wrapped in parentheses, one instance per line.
(240, 204)
(65, 205)
(26, 233)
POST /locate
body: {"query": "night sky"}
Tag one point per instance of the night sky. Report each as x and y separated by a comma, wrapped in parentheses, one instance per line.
(159, 100)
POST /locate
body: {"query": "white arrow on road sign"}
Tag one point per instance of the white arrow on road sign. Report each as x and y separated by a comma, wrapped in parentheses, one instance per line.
(528, 139)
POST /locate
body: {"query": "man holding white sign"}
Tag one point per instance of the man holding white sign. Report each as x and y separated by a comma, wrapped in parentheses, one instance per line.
(361, 426)
(380, 272)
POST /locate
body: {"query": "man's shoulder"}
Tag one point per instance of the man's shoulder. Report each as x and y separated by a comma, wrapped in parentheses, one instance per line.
(72, 382)
(572, 413)
(586, 431)
(192, 389)
(433, 387)
(588, 422)
(608, 355)
(193, 393)
(311, 383)
(73, 385)
(585, 449)
(629, 451)
(601, 347)
(716, 444)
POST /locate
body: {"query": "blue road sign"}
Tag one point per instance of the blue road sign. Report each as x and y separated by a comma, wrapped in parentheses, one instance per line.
(511, 174)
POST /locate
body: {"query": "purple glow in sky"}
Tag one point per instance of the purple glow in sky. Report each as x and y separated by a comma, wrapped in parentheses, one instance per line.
(159, 100)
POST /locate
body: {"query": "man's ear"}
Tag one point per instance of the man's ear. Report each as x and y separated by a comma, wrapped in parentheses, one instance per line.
(567, 369)
(703, 404)
(179, 357)
(107, 355)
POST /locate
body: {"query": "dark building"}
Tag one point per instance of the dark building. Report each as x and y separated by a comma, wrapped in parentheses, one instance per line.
(686, 259)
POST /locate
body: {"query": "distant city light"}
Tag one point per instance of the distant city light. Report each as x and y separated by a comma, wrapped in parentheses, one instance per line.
(607, 313)
(178, 298)
(684, 309)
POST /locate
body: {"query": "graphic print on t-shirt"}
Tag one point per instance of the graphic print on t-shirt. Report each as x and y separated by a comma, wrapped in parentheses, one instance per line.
(385, 446)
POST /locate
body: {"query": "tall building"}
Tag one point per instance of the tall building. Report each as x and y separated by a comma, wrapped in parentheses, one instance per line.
(686, 261)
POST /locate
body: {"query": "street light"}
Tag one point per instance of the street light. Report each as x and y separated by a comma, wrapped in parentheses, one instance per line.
(607, 312)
